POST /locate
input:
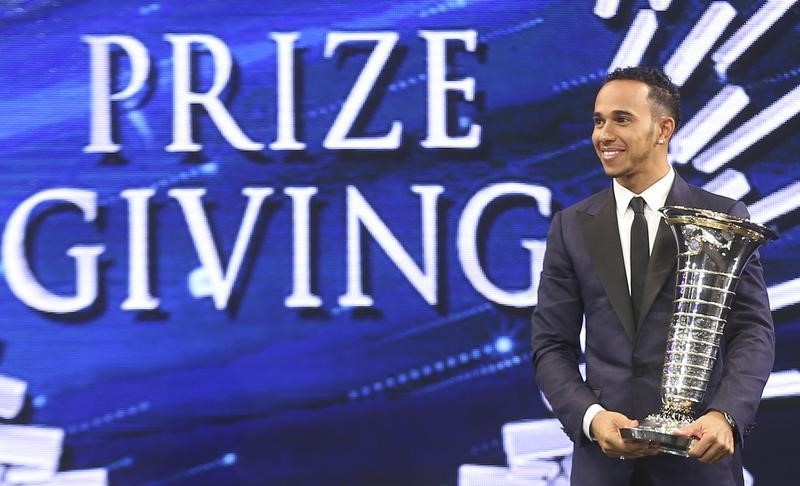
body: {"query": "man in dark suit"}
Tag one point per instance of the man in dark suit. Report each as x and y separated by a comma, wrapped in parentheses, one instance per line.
(587, 274)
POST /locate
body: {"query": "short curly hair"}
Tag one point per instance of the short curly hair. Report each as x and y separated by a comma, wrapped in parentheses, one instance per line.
(663, 91)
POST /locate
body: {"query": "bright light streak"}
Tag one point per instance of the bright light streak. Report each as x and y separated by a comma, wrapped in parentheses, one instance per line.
(33, 447)
(780, 202)
(784, 383)
(606, 9)
(535, 439)
(729, 183)
(707, 123)
(198, 283)
(784, 294)
(27, 475)
(479, 474)
(739, 42)
(39, 401)
(12, 396)
(660, 5)
(503, 344)
(696, 45)
(83, 477)
(751, 132)
(636, 40)
(536, 469)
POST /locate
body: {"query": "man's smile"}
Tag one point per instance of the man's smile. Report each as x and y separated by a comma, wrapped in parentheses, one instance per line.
(610, 153)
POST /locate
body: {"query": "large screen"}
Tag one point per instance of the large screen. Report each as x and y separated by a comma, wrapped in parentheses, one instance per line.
(299, 242)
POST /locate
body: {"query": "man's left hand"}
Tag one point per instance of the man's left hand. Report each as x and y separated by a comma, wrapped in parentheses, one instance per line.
(713, 437)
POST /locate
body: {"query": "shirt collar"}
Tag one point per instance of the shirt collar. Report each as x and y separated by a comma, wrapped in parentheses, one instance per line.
(655, 196)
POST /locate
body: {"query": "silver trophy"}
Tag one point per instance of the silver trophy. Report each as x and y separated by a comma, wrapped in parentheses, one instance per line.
(713, 249)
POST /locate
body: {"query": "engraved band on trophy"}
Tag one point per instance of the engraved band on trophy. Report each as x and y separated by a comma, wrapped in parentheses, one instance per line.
(713, 249)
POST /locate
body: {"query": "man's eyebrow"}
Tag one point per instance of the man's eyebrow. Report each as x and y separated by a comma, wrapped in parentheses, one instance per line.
(615, 113)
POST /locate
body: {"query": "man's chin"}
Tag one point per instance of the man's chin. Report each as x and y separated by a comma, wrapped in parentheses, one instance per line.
(613, 172)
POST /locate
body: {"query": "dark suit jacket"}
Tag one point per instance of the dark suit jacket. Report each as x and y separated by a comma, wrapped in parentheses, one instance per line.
(584, 275)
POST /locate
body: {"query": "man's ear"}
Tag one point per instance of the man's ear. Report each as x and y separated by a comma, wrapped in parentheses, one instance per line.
(666, 128)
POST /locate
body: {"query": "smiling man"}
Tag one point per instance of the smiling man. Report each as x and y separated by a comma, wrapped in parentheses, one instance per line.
(611, 260)
(631, 127)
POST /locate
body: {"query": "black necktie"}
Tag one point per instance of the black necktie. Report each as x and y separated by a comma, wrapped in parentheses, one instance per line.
(640, 255)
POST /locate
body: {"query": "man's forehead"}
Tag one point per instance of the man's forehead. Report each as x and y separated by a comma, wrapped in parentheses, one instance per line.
(623, 95)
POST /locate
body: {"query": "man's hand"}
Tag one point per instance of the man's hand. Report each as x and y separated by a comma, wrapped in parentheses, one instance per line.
(605, 429)
(714, 437)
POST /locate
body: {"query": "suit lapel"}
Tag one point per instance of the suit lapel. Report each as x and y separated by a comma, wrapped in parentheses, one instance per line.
(601, 236)
(662, 261)
(665, 251)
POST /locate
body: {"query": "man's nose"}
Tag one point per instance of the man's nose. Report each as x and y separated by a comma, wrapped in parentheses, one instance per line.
(606, 133)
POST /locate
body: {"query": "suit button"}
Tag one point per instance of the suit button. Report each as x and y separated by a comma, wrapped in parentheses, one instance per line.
(639, 371)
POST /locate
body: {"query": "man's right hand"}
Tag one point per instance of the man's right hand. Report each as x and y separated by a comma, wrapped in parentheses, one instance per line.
(605, 429)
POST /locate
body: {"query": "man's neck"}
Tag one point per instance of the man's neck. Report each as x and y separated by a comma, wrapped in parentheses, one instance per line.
(638, 183)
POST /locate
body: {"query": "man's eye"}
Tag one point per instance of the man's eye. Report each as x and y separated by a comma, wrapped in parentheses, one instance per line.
(623, 119)
(598, 122)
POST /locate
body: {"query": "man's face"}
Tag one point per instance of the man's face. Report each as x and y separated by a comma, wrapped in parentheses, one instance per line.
(625, 134)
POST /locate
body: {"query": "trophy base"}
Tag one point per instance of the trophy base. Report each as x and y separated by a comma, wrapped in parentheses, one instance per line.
(659, 435)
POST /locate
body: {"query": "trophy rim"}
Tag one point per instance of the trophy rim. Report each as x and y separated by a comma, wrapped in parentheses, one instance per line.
(715, 219)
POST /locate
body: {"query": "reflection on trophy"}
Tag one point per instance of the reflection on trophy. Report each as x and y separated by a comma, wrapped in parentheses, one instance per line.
(713, 249)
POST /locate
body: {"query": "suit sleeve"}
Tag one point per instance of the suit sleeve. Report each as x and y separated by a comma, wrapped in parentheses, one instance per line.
(555, 332)
(749, 350)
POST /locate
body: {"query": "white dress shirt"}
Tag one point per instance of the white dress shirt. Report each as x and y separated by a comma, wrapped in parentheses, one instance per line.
(654, 197)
